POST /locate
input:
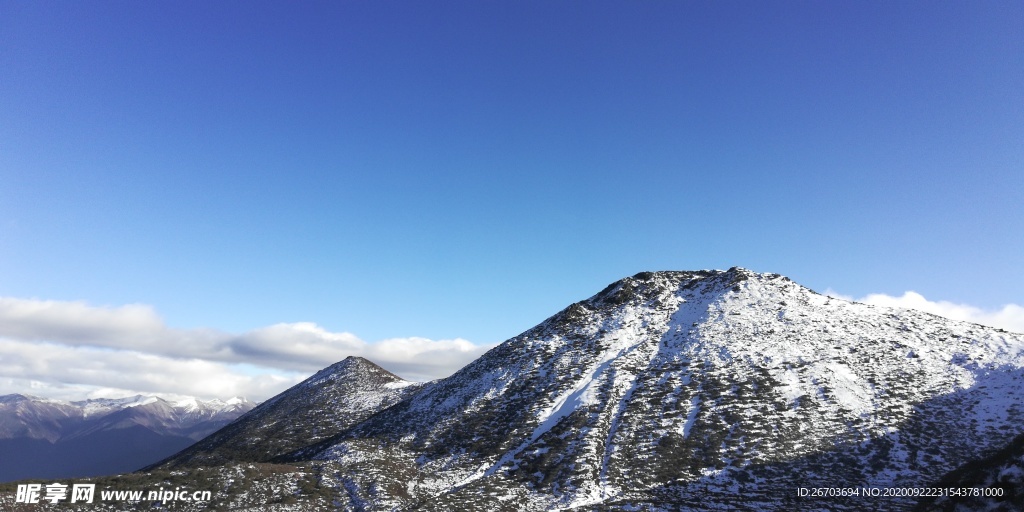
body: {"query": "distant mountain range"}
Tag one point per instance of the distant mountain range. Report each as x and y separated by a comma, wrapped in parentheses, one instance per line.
(44, 438)
(666, 391)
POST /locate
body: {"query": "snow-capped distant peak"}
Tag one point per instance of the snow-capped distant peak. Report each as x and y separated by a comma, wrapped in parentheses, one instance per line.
(141, 401)
(189, 404)
(95, 406)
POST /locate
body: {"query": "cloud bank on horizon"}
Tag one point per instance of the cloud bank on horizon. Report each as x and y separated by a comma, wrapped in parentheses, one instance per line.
(72, 350)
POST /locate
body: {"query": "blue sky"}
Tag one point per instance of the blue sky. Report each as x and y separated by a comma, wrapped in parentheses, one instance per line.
(465, 169)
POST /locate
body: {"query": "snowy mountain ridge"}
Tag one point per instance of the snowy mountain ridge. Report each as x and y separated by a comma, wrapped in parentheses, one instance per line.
(188, 409)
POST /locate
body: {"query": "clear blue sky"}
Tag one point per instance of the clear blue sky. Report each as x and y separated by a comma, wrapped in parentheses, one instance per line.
(465, 169)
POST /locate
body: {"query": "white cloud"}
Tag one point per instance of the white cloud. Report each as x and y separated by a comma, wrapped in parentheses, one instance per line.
(1009, 317)
(131, 327)
(50, 365)
(305, 345)
(420, 358)
(31, 319)
(52, 348)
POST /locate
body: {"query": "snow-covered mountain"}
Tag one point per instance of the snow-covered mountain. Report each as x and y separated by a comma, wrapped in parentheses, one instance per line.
(693, 389)
(666, 391)
(46, 438)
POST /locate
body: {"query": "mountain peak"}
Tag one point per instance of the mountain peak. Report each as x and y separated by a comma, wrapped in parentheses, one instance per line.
(319, 407)
(357, 362)
(360, 371)
(664, 287)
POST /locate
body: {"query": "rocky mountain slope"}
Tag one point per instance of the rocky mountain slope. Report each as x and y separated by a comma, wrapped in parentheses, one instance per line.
(43, 438)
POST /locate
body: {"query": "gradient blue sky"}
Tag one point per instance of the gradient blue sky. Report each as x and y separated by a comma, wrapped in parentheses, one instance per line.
(466, 169)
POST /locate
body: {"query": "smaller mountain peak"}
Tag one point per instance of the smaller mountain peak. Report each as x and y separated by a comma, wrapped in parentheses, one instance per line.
(188, 403)
(354, 367)
(356, 362)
